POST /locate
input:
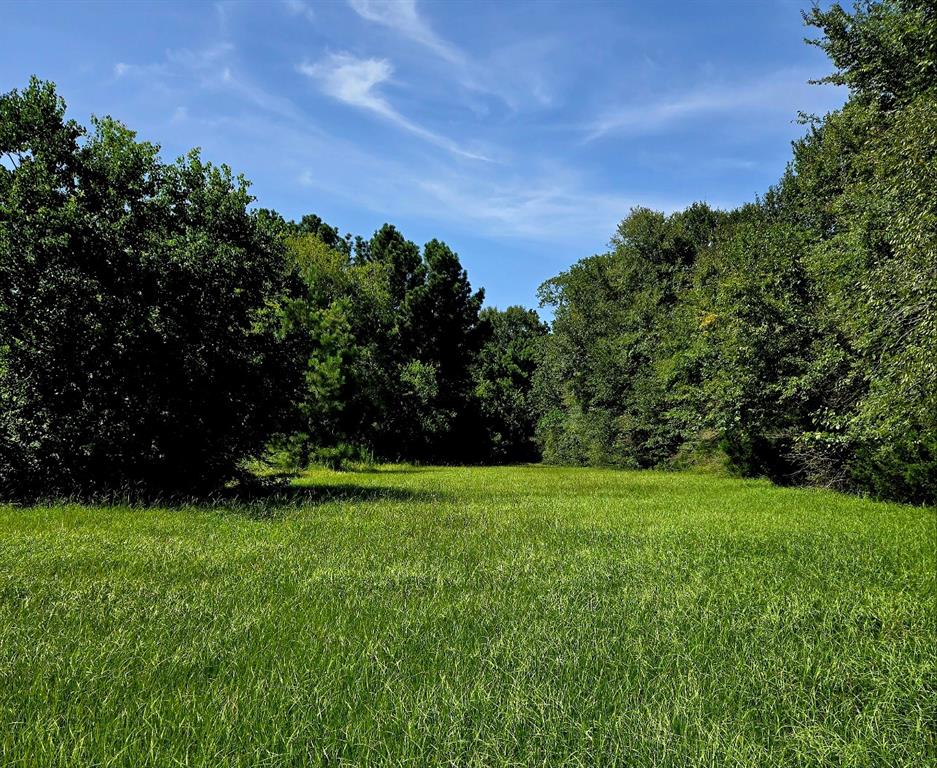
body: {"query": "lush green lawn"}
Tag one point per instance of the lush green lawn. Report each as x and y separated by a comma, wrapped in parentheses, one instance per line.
(473, 617)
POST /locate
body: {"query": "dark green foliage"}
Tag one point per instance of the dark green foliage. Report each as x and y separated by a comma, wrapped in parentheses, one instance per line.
(442, 331)
(405, 266)
(884, 51)
(154, 332)
(138, 318)
(392, 337)
(330, 236)
(614, 355)
(504, 377)
(800, 331)
(756, 326)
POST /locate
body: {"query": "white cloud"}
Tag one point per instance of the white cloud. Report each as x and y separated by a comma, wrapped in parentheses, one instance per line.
(512, 74)
(518, 74)
(150, 71)
(548, 203)
(204, 62)
(782, 92)
(402, 16)
(354, 81)
(545, 205)
(210, 68)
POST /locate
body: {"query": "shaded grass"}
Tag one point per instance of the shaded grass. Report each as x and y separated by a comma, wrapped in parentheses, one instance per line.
(497, 616)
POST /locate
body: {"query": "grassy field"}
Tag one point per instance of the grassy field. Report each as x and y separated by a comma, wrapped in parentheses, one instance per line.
(504, 616)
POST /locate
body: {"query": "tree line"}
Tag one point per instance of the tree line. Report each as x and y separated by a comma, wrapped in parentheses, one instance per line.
(157, 330)
(794, 337)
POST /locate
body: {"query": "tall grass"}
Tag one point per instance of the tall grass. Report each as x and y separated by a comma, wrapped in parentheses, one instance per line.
(510, 616)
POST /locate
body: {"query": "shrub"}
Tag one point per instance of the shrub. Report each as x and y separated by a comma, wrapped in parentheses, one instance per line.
(138, 311)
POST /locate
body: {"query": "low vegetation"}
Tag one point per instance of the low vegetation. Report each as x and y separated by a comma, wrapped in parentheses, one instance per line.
(486, 616)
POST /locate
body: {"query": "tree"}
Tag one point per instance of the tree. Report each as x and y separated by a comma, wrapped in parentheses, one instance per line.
(886, 52)
(756, 321)
(798, 330)
(615, 338)
(441, 330)
(138, 311)
(392, 335)
(504, 378)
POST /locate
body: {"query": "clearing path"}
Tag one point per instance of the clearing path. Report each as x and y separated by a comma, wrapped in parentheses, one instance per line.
(473, 616)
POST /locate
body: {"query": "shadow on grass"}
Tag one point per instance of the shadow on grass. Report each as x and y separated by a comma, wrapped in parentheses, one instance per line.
(273, 500)
(282, 491)
(267, 497)
(389, 471)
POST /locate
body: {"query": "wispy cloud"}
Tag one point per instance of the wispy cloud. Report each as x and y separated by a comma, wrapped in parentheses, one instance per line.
(126, 69)
(512, 74)
(203, 58)
(402, 16)
(300, 8)
(518, 73)
(355, 82)
(554, 204)
(548, 204)
(210, 68)
(201, 62)
(781, 92)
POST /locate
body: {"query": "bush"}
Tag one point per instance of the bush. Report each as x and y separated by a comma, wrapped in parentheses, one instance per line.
(904, 468)
(138, 311)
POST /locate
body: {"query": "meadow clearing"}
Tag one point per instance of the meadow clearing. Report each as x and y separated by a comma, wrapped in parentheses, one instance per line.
(472, 616)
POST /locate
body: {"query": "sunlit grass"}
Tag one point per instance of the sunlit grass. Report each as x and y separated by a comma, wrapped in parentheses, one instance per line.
(512, 616)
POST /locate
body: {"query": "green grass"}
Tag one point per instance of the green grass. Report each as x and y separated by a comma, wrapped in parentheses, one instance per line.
(507, 616)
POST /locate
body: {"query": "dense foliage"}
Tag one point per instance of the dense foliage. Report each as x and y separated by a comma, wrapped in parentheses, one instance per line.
(401, 362)
(504, 378)
(392, 336)
(139, 343)
(798, 333)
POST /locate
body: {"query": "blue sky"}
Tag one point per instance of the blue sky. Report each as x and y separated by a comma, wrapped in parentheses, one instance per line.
(520, 133)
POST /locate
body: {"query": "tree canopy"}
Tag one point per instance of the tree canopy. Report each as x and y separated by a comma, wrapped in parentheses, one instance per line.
(798, 334)
(138, 310)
